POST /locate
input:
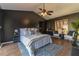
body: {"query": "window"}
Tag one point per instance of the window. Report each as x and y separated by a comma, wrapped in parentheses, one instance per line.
(61, 25)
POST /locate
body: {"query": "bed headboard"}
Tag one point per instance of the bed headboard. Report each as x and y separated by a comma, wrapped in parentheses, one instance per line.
(28, 31)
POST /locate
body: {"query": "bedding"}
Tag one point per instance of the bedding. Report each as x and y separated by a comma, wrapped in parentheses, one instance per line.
(34, 42)
(47, 50)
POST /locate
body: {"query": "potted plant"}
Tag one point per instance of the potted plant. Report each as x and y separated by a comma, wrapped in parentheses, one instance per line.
(75, 25)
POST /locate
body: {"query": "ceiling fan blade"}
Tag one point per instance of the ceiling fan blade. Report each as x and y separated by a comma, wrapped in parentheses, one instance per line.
(43, 10)
(50, 11)
(40, 9)
(49, 14)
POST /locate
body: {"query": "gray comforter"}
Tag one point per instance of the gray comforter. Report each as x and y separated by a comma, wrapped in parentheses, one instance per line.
(35, 42)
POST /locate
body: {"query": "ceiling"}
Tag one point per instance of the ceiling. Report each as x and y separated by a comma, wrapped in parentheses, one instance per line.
(59, 9)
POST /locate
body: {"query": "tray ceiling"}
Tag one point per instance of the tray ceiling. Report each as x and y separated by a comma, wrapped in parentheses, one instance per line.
(59, 9)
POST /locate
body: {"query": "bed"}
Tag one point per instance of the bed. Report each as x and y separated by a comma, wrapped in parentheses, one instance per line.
(33, 41)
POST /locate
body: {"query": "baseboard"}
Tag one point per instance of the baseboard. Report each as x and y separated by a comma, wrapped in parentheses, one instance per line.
(5, 43)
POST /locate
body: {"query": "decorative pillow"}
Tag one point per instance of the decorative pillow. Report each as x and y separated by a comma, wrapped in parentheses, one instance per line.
(70, 33)
(28, 32)
(22, 31)
(33, 31)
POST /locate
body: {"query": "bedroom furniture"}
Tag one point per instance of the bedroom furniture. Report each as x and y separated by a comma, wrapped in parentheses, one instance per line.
(77, 41)
(47, 50)
(50, 32)
(35, 41)
(16, 35)
(55, 34)
(70, 36)
(16, 38)
(43, 26)
(61, 36)
(65, 52)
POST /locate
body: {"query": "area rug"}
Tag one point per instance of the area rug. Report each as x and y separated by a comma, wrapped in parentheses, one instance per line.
(48, 50)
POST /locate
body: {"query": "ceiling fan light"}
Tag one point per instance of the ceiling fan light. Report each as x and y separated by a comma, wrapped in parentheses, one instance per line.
(43, 14)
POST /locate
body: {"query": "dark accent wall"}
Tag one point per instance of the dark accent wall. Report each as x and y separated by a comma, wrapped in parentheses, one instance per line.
(14, 19)
(1, 25)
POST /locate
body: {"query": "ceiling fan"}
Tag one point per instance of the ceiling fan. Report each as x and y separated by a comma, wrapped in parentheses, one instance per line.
(44, 12)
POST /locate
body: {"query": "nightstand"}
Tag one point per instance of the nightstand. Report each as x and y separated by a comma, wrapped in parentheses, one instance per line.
(16, 38)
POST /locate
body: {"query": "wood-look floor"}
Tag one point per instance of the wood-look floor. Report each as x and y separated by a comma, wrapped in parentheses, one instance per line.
(13, 50)
(67, 46)
(10, 49)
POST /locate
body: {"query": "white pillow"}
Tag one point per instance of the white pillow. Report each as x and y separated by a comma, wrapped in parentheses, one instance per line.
(22, 31)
